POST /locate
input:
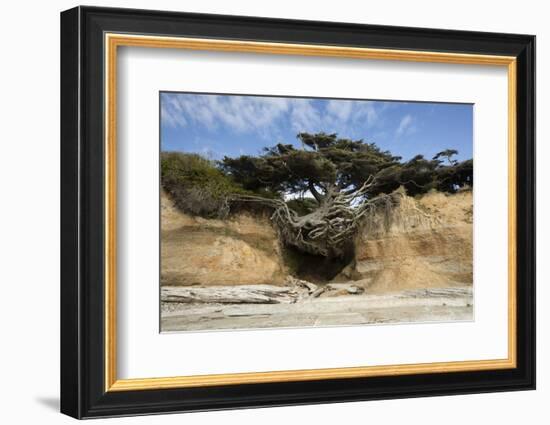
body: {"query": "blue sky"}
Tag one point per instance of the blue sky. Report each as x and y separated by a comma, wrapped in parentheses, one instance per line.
(231, 125)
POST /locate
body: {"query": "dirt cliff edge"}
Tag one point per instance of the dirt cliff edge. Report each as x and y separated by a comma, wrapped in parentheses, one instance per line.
(421, 243)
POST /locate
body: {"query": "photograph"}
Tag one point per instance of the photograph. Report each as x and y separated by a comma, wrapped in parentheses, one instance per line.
(295, 212)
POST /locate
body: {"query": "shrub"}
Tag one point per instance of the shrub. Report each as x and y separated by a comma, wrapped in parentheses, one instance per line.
(196, 185)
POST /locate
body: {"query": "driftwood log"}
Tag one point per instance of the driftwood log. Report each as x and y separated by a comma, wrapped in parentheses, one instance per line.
(254, 294)
(241, 294)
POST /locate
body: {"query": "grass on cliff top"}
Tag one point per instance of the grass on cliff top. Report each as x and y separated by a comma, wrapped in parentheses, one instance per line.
(198, 187)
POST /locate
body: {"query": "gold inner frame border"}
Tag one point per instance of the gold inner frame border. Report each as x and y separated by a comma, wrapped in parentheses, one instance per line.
(112, 41)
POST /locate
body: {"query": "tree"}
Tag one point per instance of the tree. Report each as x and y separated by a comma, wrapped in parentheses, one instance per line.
(447, 153)
(318, 195)
(336, 179)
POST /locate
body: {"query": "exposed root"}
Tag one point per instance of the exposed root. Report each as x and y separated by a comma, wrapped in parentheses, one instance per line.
(330, 229)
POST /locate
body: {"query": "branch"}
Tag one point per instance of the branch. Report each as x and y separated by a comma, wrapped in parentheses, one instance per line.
(314, 191)
(274, 203)
(414, 183)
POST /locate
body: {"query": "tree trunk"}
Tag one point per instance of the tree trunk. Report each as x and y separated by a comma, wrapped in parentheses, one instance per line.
(330, 229)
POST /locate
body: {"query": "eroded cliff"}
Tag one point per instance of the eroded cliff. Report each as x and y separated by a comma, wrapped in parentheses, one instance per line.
(197, 251)
(421, 243)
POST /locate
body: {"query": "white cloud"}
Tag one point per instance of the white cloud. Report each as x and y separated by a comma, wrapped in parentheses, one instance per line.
(239, 113)
(265, 115)
(170, 112)
(340, 109)
(348, 116)
(304, 116)
(406, 126)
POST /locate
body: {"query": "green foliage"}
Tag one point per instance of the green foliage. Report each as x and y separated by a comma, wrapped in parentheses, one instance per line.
(447, 153)
(326, 163)
(460, 174)
(195, 184)
(323, 166)
(324, 160)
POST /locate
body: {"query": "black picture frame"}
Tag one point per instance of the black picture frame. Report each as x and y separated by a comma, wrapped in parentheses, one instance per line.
(83, 392)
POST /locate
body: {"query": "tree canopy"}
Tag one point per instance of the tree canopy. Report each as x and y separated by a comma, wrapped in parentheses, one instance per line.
(326, 163)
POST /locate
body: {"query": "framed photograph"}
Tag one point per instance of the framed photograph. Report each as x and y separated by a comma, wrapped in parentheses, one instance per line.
(261, 212)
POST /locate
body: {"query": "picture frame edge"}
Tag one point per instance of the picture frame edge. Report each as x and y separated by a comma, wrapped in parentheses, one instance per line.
(83, 393)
